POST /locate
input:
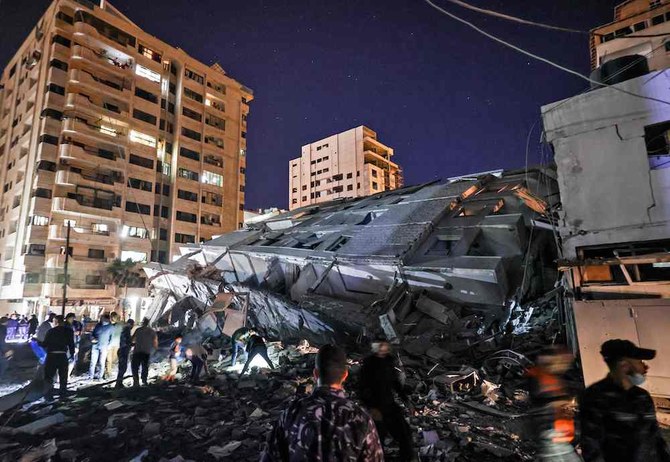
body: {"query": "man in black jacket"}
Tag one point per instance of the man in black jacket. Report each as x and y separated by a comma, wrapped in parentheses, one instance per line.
(379, 385)
(256, 346)
(125, 344)
(58, 341)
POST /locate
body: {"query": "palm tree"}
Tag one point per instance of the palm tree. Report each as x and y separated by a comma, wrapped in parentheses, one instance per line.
(121, 273)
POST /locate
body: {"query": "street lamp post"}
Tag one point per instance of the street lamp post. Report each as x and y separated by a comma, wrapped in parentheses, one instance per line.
(65, 275)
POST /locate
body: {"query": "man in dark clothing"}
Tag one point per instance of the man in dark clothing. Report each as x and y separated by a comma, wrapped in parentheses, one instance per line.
(57, 343)
(125, 344)
(101, 339)
(237, 340)
(326, 425)
(32, 325)
(256, 346)
(618, 418)
(379, 383)
(4, 362)
(145, 342)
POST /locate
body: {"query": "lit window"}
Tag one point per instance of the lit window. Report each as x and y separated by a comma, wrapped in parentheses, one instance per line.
(107, 130)
(134, 231)
(211, 178)
(142, 138)
(72, 223)
(133, 256)
(40, 220)
(101, 228)
(147, 73)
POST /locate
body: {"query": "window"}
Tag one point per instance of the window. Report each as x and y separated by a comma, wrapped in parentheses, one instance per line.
(100, 228)
(46, 165)
(349, 176)
(375, 186)
(166, 189)
(97, 254)
(187, 195)
(184, 238)
(188, 133)
(188, 153)
(338, 177)
(294, 201)
(209, 139)
(146, 95)
(58, 64)
(667, 46)
(162, 234)
(350, 187)
(212, 198)
(216, 122)
(193, 76)
(221, 88)
(193, 95)
(304, 198)
(149, 53)
(142, 138)
(6, 279)
(640, 26)
(38, 220)
(52, 114)
(134, 207)
(622, 32)
(61, 40)
(42, 192)
(164, 211)
(188, 174)
(141, 161)
(147, 73)
(106, 29)
(212, 178)
(211, 220)
(191, 114)
(137, 257)
(52, 87)
(215, 104)
(374, 173)
(93, 280)
(185, 216)
(170, 106)
(32, 278)
(214, 160)
(140, 184)
(36, 249)
(656, 20)
(144, 117)
(304, 187)
(134, 231)
(166, 126)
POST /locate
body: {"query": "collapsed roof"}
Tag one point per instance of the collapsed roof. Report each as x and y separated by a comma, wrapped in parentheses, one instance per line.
(476, 242)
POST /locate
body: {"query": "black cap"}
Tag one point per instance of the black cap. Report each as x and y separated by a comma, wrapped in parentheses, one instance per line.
(617, 349)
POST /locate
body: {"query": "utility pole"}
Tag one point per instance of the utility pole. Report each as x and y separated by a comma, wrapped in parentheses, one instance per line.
(65, 275)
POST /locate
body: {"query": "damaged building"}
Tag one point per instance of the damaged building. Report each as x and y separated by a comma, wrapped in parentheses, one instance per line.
(612, 152)
(447, 259)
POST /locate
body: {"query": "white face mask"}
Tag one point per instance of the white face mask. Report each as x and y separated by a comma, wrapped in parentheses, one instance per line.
(636, 379)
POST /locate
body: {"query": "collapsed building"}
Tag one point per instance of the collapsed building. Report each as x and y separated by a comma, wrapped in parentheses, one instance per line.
(435, 264)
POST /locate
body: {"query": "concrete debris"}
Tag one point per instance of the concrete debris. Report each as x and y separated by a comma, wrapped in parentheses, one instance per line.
(45, 451)
(41, 425)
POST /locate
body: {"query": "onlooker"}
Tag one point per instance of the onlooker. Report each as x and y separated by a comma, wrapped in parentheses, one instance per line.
(125, 343)
(326, 425)
(618, 418)
(237, 339)
(12, 327)
(145, 341)
(101, 338)
(40, 335)
(174, 356)
(255, 347)
(379, 385)
(23, 328)
(113, 351)
(59, 340)
(197, 354)
(76, 326)
(32, 325)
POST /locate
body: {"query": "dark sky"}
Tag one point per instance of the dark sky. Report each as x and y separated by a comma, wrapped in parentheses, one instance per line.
(449, 100)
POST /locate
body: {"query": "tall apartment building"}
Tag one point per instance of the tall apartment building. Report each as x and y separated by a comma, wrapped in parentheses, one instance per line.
(136, 145)
(635, 22)
(349, 164)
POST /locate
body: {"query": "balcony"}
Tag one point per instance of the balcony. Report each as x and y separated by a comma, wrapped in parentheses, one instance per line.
(55, 290)
(59, 51)
(106, 59)
(82, 28)
(88, 207)
(94, 180)
(91, 157)
(96, 83)
(59, 233)
(84, 105)
(39, 206)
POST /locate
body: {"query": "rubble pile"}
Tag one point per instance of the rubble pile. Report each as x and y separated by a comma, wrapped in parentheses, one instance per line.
(225, 418)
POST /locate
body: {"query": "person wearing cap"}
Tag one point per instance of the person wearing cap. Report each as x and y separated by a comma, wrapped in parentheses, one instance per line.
(59, 345)
(618, 418)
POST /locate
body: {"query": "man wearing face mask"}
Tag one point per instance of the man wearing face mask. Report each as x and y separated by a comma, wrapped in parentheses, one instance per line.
(618, 418)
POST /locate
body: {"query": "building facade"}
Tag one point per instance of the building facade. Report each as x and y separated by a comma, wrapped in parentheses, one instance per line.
(135, 145)
(612, 152)
(638, 29)
(349, 164)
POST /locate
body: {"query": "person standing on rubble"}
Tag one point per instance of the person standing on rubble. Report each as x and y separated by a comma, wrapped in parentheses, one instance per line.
(553, 423)
(326, 425)
(125, 344)
(378, 386)
(256, 347)
(113, 351)
(58, 342)
(32, 325)
(101, 338)
(618, 418)
(40, 335)
(237, 340)
(77, 328)
(145, 341)
(175, 355)
(197, 354)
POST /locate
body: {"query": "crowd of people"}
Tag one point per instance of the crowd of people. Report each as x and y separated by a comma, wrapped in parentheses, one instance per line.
(616, 419)
(20, 328)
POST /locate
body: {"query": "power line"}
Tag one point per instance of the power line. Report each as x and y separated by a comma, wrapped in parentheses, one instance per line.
(539, 58)
(527, 22)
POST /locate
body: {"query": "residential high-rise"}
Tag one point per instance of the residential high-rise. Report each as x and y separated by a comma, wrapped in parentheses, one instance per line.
(349, 164)
(136, 145)
(640, 27)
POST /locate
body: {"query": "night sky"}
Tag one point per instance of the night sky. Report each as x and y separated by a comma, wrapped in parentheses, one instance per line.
(448, 100)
